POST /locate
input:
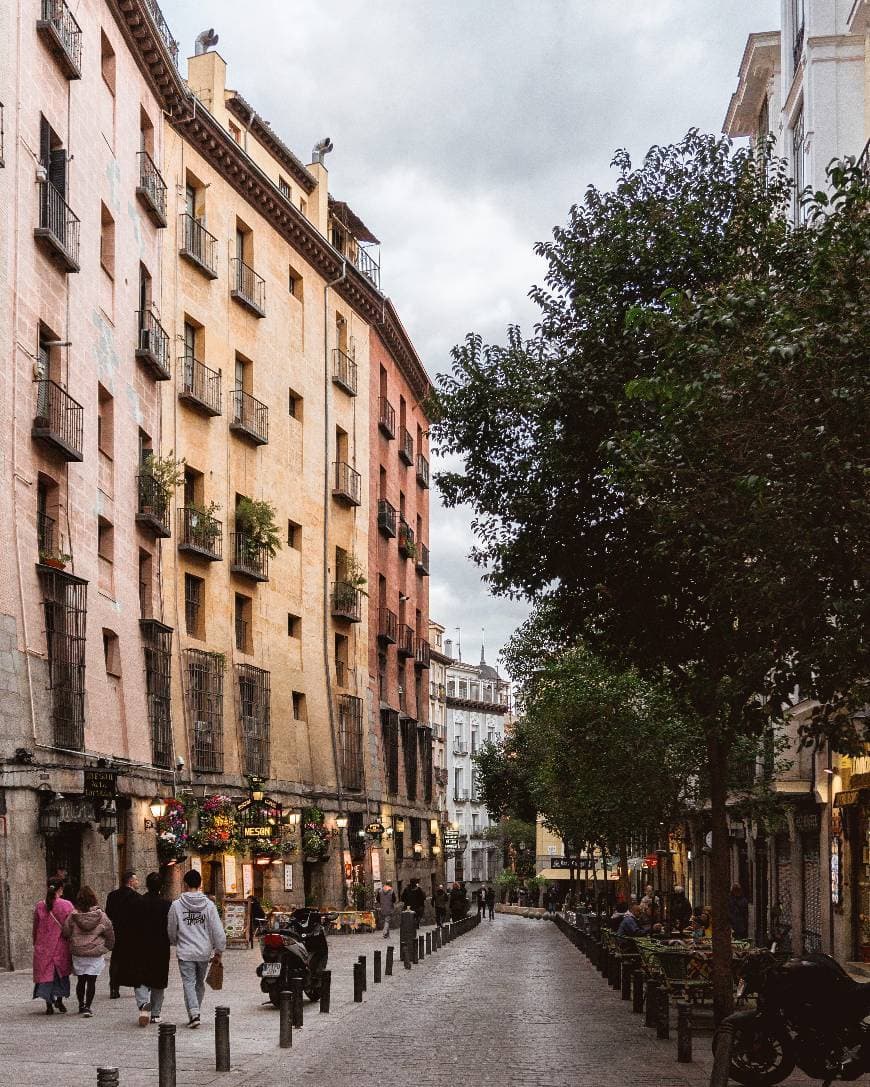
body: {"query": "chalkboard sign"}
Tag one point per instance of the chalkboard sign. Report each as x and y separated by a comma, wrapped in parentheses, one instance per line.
(236, 922)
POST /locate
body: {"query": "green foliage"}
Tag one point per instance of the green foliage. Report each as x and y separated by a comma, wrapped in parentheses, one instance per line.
(255, 518)
(503, 778)
(167, 472)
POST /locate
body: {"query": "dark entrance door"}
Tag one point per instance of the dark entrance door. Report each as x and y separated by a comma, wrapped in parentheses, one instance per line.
(64, 850)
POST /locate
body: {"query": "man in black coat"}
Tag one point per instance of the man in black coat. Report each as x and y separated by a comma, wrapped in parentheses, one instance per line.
(458, 903)
(152, 942)
(122, 907)
(414, 899)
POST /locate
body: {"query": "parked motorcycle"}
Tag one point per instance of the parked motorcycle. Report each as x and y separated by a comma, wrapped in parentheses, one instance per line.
(295, 948)
(810, 1014)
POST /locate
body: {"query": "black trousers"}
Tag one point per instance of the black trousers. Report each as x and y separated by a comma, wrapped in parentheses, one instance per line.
(85, 988)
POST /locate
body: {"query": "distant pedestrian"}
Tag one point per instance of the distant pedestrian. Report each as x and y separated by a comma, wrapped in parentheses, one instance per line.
(91, 936)
(738, 912)
(196, 933)
(414, 899)
(52, 963)
(256, 915)
(680, 910)
(458, 903)
(552, 899)
(440, 902)
(490, 902)
(153, 945)
(122, 907)
(480, 895)
(386, 904)
(651, 903)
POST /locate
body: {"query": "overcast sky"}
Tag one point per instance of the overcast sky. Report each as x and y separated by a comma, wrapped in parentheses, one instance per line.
(464, 130)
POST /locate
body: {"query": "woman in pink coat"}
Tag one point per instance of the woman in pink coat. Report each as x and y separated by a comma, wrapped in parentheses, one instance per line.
(52, 962)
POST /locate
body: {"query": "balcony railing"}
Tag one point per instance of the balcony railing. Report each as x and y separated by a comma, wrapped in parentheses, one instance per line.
(58, 421)
(200, 534)
(198, 246)
(163, 29)
(344, 371)
(406, 446)
(346, 602)
(247, 287)
(153, 345)
(58, 228)
(422, 470)
(367, 264)
(153, 507)
(151, 189)
(421, 653)
(250, 557)
(386, 417)
(388, 626)
(46, 528)
(422, 559)
(250, 417)
(407, 547)
(406, 642)
(460, 796)
(200, 386)
(347, 484)
(386, 518)
(63, 36)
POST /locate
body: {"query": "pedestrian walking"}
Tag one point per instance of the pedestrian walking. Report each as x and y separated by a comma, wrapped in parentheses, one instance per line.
(52, 963)
(91, 935)
(153, 946)
(490, 902)
(458, 903)
(256, 915)
(738, 912)
(480, 897)
(414, 899)
(196, 933)
(440, 901)
(122, 907)
(386, 902)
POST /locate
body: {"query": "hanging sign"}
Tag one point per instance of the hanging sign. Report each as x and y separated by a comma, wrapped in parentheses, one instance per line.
(650, 861)
(100, 784)
(375, 829)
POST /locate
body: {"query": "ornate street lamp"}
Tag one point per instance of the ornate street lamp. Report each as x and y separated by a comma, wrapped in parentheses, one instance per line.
(49, 817)
(108, 822)
(157, 807)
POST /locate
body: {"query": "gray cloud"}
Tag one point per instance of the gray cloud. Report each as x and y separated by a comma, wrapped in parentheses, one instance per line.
(464, 131)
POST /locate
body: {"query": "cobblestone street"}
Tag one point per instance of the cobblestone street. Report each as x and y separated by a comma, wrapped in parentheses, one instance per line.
(510, 1002)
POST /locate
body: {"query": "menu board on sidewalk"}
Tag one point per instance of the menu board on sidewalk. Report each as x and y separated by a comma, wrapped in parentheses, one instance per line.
(236, 922)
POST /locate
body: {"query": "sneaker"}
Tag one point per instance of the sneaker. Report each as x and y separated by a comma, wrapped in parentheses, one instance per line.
(81, 1009)
(144, 1015)
(155, 1018)
(87, 1013)
(194, 1022)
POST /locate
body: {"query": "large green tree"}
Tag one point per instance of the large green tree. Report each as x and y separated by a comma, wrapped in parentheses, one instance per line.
(675, 463)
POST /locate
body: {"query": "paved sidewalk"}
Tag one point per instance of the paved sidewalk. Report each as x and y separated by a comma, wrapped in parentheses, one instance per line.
(509, 1003)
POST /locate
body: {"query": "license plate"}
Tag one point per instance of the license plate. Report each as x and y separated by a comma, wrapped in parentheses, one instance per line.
(271, 969)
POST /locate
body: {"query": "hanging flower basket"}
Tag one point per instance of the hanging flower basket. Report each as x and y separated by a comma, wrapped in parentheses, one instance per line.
(316, 837)
(172, 836)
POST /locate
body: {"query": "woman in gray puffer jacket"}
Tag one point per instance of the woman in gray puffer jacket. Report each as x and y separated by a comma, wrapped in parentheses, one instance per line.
(91, 935)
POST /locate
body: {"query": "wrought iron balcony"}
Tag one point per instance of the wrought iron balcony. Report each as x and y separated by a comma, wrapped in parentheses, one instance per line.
(407, 639)
(386, 417)
(250, 557)
(388, 626)
(247, 288)
(151, 189)
(153, 345)
(346, 484)
(367, 264)
(344, 371)
(250, 417)
(386, 518)
(62, 34)
(198, 246)
(200, 534)
(422, 470)
(406, 446)
(422, 559)
(407, 547)
(58, 228)
(163, 29)
(346, 602)
(200, 386)
(58, 421)
(152, 510)
(460, 796)
(421, 653)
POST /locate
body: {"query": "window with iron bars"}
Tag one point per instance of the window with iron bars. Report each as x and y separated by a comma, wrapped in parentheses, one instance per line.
(205, 693)
(424, 737)
(157, 643)
(64, 599)
(350, 738)
(254, 719)
(390, 738)
(409, 751)
(193, 587)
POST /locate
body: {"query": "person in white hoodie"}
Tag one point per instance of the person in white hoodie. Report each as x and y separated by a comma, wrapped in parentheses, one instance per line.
(196, 933)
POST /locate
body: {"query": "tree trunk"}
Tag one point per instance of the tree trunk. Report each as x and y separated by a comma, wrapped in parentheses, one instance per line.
(624, 883)
(723, 987)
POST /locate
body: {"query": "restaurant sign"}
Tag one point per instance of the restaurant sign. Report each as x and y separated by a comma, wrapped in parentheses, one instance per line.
(258, 832)
(451, 839)
(100, 784)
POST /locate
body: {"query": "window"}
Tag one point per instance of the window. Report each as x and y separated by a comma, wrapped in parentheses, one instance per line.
(106, 554)
(107, 62)
(193, 596)
(294, 535)
(474, 692)
(294, 404)
(52, 155)
(111, 653)
(303, 207)
(105, 422)
(146, 568)
(107, 241)
(235, 132)
(798, 22)
(284, 188)
(341, 646)
(463, 689)
(798, 168)
(146, 133)
(294, 626)
(294, 283)
(451, 688)
(244, 633)
(300, 710)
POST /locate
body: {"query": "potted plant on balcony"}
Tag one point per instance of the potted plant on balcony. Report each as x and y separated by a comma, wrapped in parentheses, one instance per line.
(202, 524)
(256, 524)
(167, 473)
(54, 557)
(217, 826)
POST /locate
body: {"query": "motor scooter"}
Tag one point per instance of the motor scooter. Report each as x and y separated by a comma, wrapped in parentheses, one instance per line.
(294, 948)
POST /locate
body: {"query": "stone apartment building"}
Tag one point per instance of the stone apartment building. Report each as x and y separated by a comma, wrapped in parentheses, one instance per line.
(186, 462)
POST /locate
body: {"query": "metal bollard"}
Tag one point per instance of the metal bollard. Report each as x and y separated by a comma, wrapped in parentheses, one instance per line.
(357, 983)
(285, 1019)
(388, 969)
(107, 1077)
(166, 1055)
(406, 957)
(222, 1039)
(421, 948)
(376, 968)
(663, 1018)
(428, 943)
(362, 962)
(650, 1003)
(613, 971)
(296, 987)
(723, 1040)
(684, 1032)
(637, 992)
(415, 951)
(325, 991)
(407, 935)
(625, 978)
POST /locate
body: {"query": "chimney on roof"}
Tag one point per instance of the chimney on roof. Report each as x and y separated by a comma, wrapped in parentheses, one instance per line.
(448, 647)
(204, 41)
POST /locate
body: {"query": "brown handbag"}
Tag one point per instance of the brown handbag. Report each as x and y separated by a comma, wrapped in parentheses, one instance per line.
(215, 976)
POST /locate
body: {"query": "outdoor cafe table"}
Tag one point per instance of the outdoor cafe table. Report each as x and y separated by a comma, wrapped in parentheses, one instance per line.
(685, 966)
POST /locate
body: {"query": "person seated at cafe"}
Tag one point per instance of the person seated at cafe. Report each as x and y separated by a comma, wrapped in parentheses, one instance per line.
(699, 922)
(632, 923)
(680, 909)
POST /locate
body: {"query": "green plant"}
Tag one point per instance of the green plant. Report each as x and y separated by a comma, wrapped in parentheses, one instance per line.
(54, 556)
(167, 472)
(352, 572)
(255, 519)
(315, 835)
